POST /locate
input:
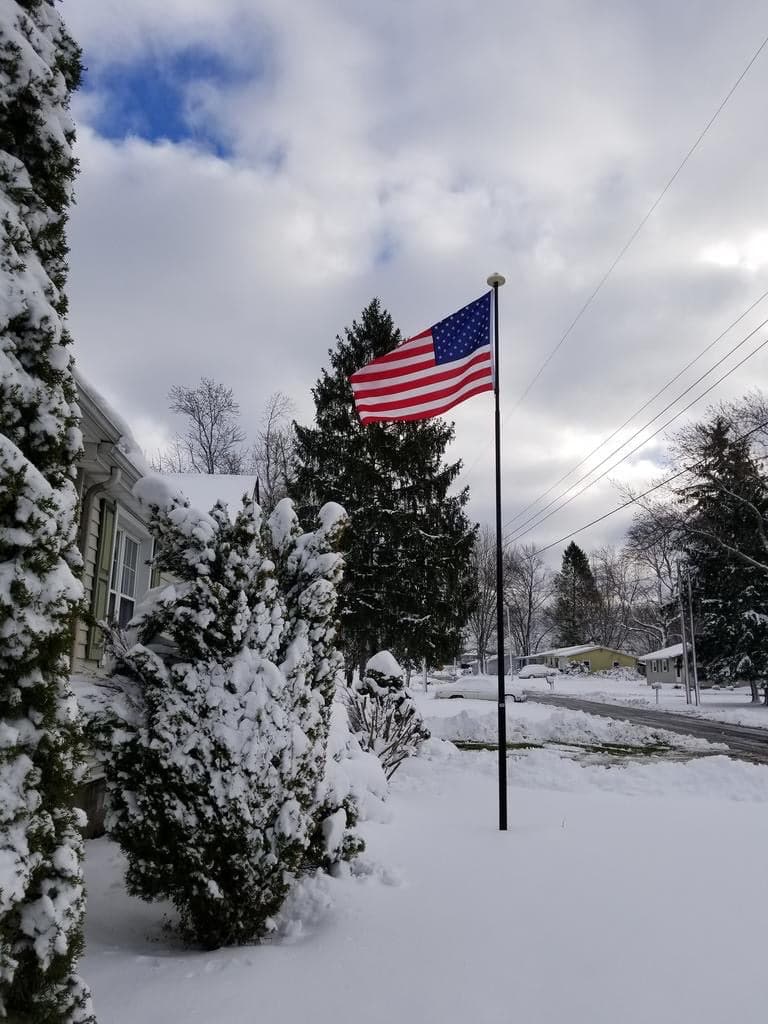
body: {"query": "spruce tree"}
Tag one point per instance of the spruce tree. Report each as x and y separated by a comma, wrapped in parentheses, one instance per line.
(407, 585)
(726, 511)
(41, 887)
(576, 599)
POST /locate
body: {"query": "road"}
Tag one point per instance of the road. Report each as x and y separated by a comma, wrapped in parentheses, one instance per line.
(744, 742)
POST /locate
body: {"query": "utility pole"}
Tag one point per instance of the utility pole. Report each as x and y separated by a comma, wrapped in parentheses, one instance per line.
(686, 676)
(509, 638)
(696, 689)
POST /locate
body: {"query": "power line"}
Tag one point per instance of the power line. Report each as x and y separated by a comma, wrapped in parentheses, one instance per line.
(637, 412)
(638, 229)
(630, 240)
(638, 497)
(538, 518)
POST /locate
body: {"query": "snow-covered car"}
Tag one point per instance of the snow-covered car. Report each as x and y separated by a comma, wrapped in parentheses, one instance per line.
(537, 672)
(480, 688)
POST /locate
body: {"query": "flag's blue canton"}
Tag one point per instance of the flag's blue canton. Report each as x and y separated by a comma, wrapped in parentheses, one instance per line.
(463, 332)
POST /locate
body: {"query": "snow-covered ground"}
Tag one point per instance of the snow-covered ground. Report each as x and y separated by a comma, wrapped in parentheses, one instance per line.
(732, 706)
(470, 720)
(613, 896)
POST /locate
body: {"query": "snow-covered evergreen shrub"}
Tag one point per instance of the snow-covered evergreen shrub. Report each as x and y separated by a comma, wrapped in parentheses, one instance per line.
(354, 788)
(382, 714)
(41, 889)
(214, 759)
(309, 572)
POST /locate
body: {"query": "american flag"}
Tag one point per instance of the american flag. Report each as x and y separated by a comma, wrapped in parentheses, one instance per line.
(431, 372)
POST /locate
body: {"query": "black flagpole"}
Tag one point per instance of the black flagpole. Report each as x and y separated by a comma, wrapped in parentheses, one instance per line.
(495, 280)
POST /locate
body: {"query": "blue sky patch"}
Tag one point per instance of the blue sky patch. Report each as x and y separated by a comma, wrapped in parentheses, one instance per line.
(148, 98)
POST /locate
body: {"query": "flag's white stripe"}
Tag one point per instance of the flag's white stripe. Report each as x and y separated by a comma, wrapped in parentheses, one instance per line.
(425, 359)
(420, 375)
(425, 387)
(411, 343)
(370, 407)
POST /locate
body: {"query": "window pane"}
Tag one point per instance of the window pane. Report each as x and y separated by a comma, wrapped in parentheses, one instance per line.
(130, 561)
(116, 560)
(126, 612)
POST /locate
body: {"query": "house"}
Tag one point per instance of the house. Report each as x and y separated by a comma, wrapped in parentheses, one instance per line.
(592, 657)
(512, 663)
(664, 666)
(113, 535)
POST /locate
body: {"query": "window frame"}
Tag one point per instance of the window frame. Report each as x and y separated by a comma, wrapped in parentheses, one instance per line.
(117, 595)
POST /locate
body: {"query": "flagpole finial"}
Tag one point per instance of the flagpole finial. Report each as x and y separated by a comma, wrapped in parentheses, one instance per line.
(496, 280)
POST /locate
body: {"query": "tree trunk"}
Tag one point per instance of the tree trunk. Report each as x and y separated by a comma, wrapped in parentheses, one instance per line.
(755, 692)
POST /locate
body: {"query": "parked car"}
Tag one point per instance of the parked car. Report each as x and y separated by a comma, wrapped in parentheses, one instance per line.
(480, 688)
(537, 672)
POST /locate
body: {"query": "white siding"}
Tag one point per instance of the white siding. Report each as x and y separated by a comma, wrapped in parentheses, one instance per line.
(90, 547)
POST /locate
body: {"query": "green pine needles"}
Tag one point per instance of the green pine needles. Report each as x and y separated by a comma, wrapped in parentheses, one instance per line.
(407, 584)
(41, 887)
(215, 754)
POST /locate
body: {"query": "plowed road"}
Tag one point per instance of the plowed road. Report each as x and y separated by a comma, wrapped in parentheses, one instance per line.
(745, 742)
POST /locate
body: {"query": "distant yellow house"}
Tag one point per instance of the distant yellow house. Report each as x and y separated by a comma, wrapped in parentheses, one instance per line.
(592, 657)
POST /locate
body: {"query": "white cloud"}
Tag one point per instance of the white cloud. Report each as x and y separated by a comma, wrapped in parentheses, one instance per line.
(407, 151)
(750, 254)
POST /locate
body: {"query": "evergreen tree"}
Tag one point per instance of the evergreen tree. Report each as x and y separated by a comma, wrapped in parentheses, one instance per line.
(382, 714)
(576, 599)
(41, 888)
(215, 755)
(726, 511)
(407, 585)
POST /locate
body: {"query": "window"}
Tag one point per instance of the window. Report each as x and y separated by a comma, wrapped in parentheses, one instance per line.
(665, 666)
(122, 582)
(616, 664)
(655, 665)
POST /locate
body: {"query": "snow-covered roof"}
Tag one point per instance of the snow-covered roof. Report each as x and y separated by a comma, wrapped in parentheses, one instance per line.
(675, 651)
(205, 489)
(126, 442)
(567, 652)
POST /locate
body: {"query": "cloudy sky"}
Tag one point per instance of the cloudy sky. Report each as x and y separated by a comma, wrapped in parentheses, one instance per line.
(253, 173)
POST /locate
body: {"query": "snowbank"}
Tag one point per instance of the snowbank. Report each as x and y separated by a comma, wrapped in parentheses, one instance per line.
(560, 726)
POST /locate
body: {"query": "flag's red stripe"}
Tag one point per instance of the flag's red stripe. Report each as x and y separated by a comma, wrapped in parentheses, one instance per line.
(435, 376)
(387, 372)
(431, 396)
(427, 413)
(401, 352)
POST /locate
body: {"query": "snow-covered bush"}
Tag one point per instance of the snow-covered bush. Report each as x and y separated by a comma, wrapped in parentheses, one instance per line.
(575, 668)
(308, 571)
(382, 714)
(214, 758)
(354, 788)
(41, 890)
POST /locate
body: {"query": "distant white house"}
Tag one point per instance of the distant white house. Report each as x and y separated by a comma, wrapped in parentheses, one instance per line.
(664, 666)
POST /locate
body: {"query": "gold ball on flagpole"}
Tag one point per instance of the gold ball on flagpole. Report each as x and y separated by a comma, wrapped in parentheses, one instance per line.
(496, 279)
